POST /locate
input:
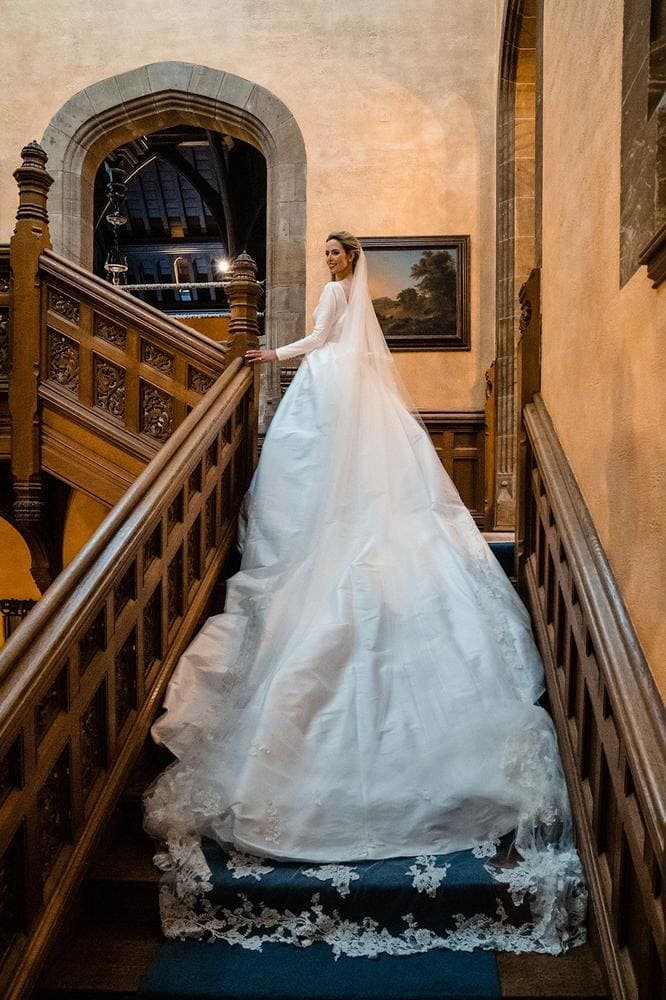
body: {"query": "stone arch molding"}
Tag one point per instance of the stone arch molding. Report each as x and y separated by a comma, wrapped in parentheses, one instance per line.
(109, 113)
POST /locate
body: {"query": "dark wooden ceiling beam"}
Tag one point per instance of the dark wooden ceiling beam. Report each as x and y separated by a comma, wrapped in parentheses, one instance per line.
(219, 162)
(161, 199)
(205, 190)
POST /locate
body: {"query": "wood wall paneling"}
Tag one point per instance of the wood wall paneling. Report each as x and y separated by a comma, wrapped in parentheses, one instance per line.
(459, 439)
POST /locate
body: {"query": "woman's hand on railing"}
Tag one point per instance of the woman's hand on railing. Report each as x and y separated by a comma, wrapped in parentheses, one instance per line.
(260, 355)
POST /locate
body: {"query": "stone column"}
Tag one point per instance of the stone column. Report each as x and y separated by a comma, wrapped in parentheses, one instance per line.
(31, 237)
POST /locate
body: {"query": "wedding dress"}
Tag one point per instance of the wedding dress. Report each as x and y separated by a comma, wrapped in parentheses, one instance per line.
(370, 690)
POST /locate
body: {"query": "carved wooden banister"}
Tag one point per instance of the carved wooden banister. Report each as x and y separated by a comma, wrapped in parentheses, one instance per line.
(117, 377)
(610, 718)
(81, 678)
(99, 380)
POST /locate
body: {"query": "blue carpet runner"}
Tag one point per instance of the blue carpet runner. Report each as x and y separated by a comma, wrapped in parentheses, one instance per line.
(197, 970)
(437, 891)
(385, 890)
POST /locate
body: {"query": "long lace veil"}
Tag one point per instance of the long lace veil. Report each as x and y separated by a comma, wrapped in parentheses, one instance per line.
(362, 335)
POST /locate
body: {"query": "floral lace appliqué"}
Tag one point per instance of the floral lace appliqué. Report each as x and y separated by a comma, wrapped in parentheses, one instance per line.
(185, 916)
(340, 876)
(427, 876)
(487, 849)
(246, 866)
(271, 827)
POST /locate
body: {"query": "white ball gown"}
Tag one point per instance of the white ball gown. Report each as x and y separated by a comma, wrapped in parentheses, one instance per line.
(369, 691)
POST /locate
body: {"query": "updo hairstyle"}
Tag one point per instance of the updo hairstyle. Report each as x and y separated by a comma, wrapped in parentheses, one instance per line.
(350, 243)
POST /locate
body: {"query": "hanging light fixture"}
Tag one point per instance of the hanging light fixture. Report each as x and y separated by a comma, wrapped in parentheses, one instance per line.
(116, 262)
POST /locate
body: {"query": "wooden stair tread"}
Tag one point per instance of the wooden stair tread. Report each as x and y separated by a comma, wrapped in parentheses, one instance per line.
(115, 936)
(128, 860)
(100, 958)
(151, 761)
(574, 974)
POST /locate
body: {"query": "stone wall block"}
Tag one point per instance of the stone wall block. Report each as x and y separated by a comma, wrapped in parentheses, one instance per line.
(288, 139)
(105, 96)
(267, 108)
(134, 84)
(235, 90)
(170, 76)
(78, 108)
(206, 82)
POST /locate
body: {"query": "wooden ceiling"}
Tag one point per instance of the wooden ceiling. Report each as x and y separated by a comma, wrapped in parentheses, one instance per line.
(186, 185)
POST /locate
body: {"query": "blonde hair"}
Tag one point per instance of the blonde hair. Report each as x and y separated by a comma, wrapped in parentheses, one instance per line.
(351, 245)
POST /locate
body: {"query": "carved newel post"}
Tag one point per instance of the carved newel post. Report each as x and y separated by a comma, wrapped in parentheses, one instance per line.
(31, 237)
(528, 383)
(243, 293)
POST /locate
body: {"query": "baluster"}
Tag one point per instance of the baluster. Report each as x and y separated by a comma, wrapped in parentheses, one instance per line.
(243, 292)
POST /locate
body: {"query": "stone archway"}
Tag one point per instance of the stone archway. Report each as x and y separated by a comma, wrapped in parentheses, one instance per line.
(518, 224)
(111, 112)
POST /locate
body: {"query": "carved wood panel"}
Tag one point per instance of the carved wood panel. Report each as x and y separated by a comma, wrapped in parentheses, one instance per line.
(459, 440)
(4, 342)
(100, 350)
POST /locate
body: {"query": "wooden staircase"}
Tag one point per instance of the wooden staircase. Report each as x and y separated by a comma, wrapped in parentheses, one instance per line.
(107, 395)
(82, 678)
(114, 934)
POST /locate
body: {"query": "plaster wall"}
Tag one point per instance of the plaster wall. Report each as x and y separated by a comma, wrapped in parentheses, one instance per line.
(84, 516)
(604, 363)
(396, 106)
(15, 578)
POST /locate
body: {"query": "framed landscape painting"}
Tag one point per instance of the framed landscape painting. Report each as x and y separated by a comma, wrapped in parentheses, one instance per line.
(420, 290)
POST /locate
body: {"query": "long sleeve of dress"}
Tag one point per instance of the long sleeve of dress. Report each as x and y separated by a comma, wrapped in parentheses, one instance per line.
(325, 314)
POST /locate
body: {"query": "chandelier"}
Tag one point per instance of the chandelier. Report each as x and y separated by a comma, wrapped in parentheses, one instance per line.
(116, 262)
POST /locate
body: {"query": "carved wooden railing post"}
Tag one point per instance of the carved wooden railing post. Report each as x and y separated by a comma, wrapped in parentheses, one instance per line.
(31, 237)
(528, 382)
(243, 292)
(489, 456)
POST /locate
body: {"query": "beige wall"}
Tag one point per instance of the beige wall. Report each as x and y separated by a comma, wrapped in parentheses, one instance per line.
(396, 105)
(604, 349)
(15, 578)
(84, 516)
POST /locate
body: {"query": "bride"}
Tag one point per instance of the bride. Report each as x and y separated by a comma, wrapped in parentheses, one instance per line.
(370, 690)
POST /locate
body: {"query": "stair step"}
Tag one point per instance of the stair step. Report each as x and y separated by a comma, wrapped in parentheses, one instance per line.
(390, 888)
(95, 961)
(576, 974)
(113, 942)
(194, 970)
(122, 883)
(129, 859)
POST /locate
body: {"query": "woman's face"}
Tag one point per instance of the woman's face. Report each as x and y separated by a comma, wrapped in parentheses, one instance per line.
(339, 262)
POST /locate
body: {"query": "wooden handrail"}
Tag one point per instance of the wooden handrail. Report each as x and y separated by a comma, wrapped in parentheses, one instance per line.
(123, 517)
(81, 679)
(171, 332)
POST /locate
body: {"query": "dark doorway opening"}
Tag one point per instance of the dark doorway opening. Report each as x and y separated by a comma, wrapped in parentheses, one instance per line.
(173, 208)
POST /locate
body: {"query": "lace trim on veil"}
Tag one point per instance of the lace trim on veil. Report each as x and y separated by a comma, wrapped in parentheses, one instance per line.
(556, 924)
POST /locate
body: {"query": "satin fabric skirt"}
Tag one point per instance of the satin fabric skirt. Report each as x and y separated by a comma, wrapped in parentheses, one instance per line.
(370, 689)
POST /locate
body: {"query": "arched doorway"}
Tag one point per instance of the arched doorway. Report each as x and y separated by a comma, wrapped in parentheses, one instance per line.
(114, 111)
(174, 207)
(518, 224)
